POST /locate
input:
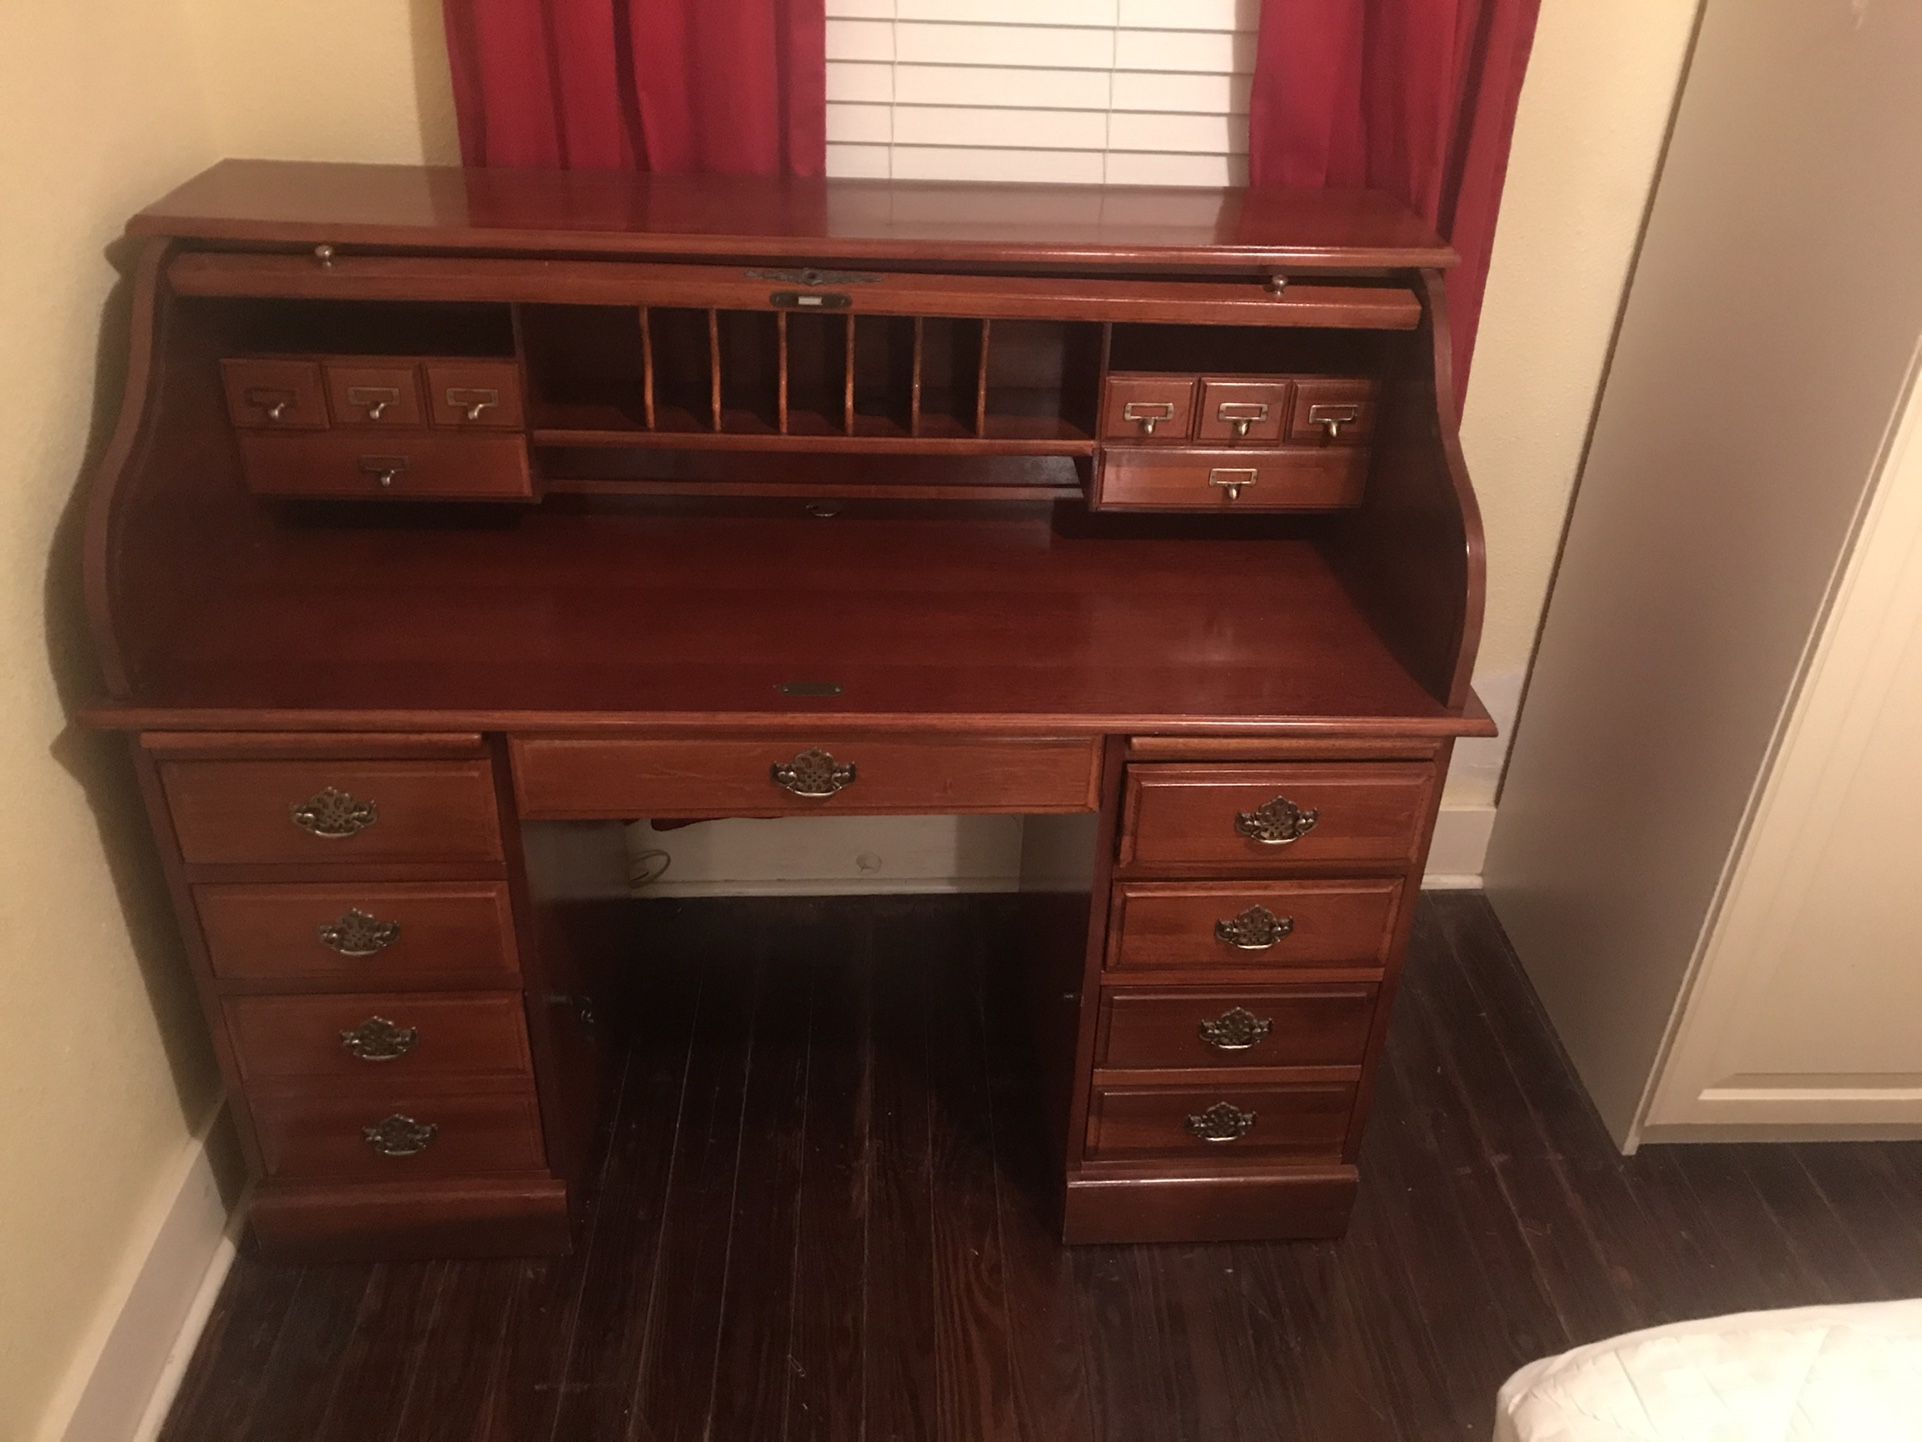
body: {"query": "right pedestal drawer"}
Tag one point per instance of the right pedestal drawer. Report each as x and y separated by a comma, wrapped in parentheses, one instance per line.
(1187, 1027)
(1279, 816)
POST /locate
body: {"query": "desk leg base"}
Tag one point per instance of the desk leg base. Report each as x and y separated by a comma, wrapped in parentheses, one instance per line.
(485, 1217)
(1294, 1204)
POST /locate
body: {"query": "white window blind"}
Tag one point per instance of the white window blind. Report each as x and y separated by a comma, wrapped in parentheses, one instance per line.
(1145, 92)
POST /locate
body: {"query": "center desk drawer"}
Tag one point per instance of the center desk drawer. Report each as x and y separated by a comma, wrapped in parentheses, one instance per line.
(557, 778)
(356, 1036)
(317, 811)
(1266, 816)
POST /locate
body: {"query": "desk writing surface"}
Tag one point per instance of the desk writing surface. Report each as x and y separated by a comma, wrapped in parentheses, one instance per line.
(931, 615)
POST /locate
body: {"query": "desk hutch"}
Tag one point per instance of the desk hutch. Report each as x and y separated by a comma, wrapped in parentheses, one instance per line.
(455, 518)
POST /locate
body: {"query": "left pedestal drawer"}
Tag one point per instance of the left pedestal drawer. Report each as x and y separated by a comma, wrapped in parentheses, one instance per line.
(318, 811)
(384, 935)
(398, 1132)
(356, 1037)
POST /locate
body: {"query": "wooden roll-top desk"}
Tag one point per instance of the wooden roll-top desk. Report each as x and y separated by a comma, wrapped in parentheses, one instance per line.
(456, 518)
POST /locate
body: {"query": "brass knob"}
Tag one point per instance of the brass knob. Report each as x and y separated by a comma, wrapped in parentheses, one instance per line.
(378, 1039)
(1277, 284)
(334, 814)
(1277, 823)
(385, 480)
(377, 409)
(1332, 424)
(1148, 414)
(813, 773)
(400, 1136)
(1236, 1029)
(1222, 1122)
(324, 254)
(276, 410)
(1233, 479)
(1240, 427)
(473, 401)
(1256, 929)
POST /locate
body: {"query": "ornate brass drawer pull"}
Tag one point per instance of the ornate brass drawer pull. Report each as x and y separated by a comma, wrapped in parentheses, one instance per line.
(334, 813)
(1232, 479)
(1241, 415)
(1222, 1122)
(1256, 929)
(1148, 414)
(359, 934)
(473, 402)
(812, 773)
(399, 1136)
(1236, 1029)
(378, 1039)
(1279, 823)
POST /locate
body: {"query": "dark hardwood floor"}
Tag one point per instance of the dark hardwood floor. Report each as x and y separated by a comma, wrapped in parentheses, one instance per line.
(819, 1218)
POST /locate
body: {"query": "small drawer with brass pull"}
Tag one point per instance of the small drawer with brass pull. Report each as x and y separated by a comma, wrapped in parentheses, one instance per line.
(1234, 928)
(402, 466)
(1263, 1121)
(1267, 817)
(353, 935)
(327, 811)
(352, 1034)
(1138, 478)
(274, 394)
(565, 777)
(1169, 1027)
(1238, 411)
(389, 1128)
(475, 395)
(1145, 407)
(1332, 412)
(374, 395)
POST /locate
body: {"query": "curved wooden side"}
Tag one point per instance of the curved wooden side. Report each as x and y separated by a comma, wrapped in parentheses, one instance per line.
(1411, 554)
(129, 436)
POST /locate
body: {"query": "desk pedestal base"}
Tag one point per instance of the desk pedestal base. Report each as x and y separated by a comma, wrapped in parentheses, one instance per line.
(1291, 1205)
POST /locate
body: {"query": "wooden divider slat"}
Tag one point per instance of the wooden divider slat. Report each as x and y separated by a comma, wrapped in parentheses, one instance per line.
(847, 399)
(647, 371)
(714, 368)
(780, 371)
(914, 387)
(981, 382)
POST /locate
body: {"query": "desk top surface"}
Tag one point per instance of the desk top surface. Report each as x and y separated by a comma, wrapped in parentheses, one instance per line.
(258, 202)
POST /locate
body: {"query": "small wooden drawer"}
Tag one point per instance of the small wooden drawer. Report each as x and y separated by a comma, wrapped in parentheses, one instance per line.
(1274, 924)
(1274, 816)
(1235, 1027)
(1228, 1122)
(579, 779)
(1324, 478)
(281, 395)
(374, 395)
(404, 466)
(1333, 412)
(355, 1034)
(325, 934)
(475, 395)
(1237, 412)
(395, 1131)
(1148, 408)
(322, 811)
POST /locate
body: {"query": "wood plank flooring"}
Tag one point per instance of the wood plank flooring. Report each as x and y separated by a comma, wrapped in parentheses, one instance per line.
(820, 1217)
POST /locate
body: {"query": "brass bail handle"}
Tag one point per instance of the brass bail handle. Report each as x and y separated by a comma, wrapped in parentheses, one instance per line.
(375, 400)
(473, 401)
(813, 773)
(1233, 479)
(1148, 414)
(1241, 415)
(1331, 419)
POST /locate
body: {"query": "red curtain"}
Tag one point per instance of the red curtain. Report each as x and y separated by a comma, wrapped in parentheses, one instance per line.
(717, 87)
(1413, 97)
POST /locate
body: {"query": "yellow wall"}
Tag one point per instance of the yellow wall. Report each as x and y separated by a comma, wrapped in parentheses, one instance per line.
(105, 103)
(1588, 137)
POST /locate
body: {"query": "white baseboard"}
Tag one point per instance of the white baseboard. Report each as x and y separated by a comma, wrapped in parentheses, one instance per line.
(895, 855)
(124, 1381)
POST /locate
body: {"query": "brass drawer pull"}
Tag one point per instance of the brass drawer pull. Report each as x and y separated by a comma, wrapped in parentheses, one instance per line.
(383, 469)
(399, 1136)
(1241, 415)
(1222, 1122)
(1256, 929)
(334, 814)
(1332, 418)
(378, 1039)
(359, 934)
(812, 773)
(1232, 478)
(1278, 823)
(1236, 1029)
(373, 399)
(271, 402)
(472, 401)
(1148, 414)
